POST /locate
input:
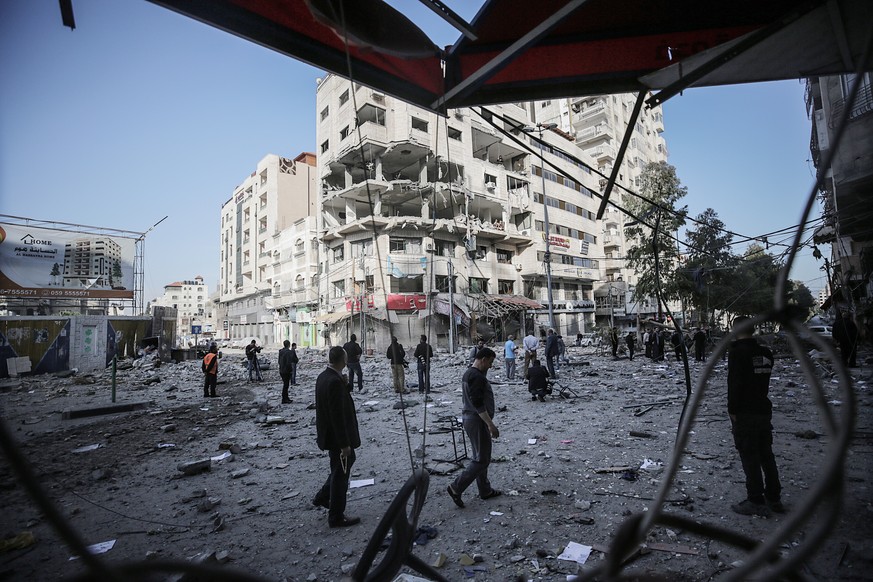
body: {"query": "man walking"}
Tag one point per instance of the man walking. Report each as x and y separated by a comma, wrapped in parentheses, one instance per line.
(750, 411)
(397, 356)
(423, 355)
(210, 371)
(551, 352)
(631, 341)
(699, 343)
(337, 433)
(353, 354)
(285, 368)
(530, 343)
(845, 332)
(647, 342)
(509, 357)
(478, 414)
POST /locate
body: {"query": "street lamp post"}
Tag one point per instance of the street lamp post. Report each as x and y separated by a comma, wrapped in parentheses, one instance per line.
(540, 127)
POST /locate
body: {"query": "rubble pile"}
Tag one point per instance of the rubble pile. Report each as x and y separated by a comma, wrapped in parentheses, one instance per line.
(230, 479)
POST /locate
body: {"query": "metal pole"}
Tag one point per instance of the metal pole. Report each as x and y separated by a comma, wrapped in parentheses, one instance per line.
(611, 309)
(548, 256)
(114, 369)
(451, 307)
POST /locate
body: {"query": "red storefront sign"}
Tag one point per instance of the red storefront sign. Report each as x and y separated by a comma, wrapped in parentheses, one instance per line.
(402, 301)
(358, 303)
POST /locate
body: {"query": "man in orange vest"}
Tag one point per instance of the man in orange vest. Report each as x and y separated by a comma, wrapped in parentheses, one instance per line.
(210, 371)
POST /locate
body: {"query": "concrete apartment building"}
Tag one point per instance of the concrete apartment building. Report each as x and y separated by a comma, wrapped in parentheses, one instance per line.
(92, 263)
(847, 191)
(261, 224)
(193, 307)
(423, 198)
(597, 124)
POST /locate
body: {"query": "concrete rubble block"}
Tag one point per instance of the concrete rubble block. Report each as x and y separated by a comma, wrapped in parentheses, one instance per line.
(195, 467)
(239, 473)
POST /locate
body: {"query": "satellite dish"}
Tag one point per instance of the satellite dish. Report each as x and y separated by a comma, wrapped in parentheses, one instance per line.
(372, 24)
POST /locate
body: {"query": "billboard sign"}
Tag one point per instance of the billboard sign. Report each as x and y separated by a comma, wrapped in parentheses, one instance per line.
(52, 263)
(404, 301)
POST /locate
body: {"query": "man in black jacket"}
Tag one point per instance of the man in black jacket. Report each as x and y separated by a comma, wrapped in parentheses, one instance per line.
(337, 433)
(353, 353)
(285, 369)
(478, 398)
(537, 381)
(699, 345)
(397, 356)
(750, 411)
(551, 352)
(423, 355)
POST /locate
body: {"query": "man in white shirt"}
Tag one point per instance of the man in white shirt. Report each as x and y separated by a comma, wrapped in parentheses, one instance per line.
(530, 343)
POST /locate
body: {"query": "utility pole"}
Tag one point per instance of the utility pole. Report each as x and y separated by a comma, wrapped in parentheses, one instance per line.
(547, 257)
(451, 307)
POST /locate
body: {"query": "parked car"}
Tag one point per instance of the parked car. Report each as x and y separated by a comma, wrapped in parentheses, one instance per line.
(590, 340)
(823, 330)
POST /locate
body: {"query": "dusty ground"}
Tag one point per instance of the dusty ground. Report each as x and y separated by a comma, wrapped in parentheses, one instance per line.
(130, 491)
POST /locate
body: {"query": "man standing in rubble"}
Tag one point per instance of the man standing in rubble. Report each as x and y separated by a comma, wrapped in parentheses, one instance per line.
(337, 433)
(397, 356)
(478, 414)
(353, 353)
(509, 357)
(285, 369)
(551, 352)
(210, 371)
(423, 355)
(751, 412)
(530, 343)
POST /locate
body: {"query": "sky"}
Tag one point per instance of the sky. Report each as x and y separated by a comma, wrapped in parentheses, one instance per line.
(141, 113)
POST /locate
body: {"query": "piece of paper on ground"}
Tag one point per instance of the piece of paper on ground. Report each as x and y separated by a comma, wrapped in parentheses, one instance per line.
(575, 553)
(99, 548)
(355, 483)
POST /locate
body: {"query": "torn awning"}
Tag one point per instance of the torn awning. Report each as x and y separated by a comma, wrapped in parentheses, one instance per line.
(520, 50)
(504, 305)
(333, 318)
(441, 306)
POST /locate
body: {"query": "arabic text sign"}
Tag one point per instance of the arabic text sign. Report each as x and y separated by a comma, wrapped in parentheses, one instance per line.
(46, 262)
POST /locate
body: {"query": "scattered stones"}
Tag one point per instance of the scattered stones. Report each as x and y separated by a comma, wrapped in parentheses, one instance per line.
(239, 473)
(168, 428)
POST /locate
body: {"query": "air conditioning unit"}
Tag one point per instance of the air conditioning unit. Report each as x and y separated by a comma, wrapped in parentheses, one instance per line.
(518, 267)
(525, 232)
(459, 114)
(491, 185)
(429, 246)
(378, 96)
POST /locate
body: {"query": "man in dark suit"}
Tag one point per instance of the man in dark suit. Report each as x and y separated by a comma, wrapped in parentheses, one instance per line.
(551, 352)
(337, 432)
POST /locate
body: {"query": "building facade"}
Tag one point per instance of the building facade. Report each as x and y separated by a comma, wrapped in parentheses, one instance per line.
(92, 263)
(597, 125)
(416, 208)
(276, 198)
(847, 190)
(194, 310)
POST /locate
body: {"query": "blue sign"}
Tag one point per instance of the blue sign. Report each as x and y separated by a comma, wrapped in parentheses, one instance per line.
(195, 329)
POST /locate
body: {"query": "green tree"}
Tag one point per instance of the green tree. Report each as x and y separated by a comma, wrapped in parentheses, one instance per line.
(705, 277)
(752, 283)
(661, 187)
(116, 274)
(801, 297)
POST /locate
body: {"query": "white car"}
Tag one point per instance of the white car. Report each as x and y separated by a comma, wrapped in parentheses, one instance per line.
(822, 330)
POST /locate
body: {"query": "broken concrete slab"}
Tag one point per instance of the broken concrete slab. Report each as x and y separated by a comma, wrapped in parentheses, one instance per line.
(103, 410)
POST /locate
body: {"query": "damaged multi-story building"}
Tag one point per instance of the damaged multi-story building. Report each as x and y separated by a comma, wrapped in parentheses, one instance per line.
(846, 192)
(597, 124)
(268, 256)
(416, 207)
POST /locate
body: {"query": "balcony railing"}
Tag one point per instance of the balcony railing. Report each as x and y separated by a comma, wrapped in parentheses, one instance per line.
(863, 105)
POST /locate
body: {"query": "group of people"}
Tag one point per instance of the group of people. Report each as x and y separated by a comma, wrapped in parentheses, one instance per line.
(750, 411)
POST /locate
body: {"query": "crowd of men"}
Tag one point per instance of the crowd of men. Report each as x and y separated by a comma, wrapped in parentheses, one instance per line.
(749, 408)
